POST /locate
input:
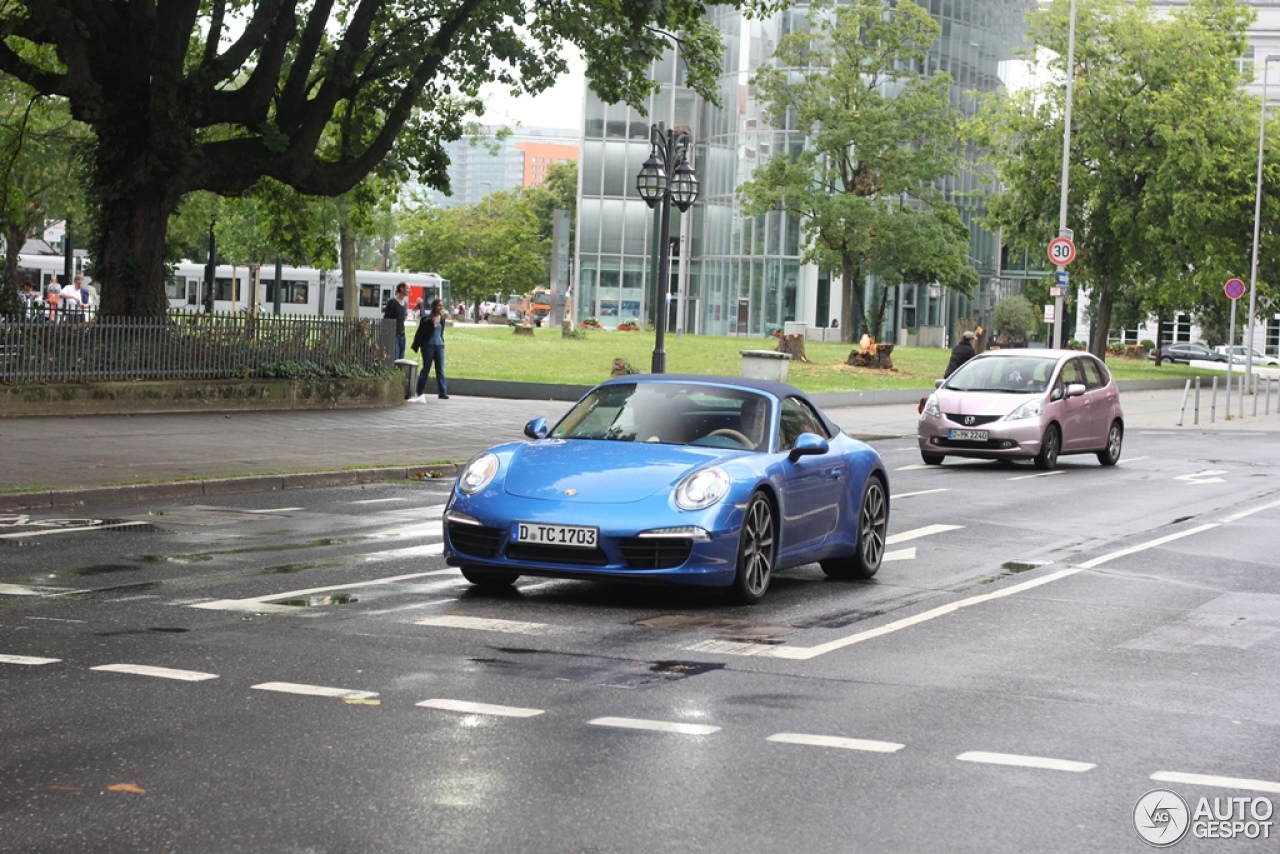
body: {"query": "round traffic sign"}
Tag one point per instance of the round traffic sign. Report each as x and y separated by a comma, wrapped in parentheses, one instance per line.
(1062, 251)
(1234, 288)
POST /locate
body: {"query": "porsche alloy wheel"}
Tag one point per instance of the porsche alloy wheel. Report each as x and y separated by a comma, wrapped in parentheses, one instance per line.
(873, 526)
(757, 547)
(490, 579)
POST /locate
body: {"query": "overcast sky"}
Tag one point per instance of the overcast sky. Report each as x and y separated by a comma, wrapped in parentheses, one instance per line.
(558, 107)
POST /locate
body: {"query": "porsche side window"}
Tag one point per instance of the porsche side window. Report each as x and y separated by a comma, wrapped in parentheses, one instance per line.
(797, 418)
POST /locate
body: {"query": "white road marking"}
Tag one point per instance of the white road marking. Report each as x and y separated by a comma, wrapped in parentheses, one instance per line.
(1039, 474)
(257, 601)
(836, 741)
(278, 510)
(915, 467)
(488, 625)
(158, 672)
(656, 726)
(1130, 460)
(899, 554)
(1150, 544)
(1026, 761)
(898, 495)
(47, 531)
(26, 659)
(1236, 517)
(1206, 476)
(430, 549)
(481, 708)
(916, 533)
(315, 690)
(24, 590)
(1220, 782)
(378, 500)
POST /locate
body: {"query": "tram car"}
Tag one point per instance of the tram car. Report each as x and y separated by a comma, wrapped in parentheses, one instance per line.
(303, 290)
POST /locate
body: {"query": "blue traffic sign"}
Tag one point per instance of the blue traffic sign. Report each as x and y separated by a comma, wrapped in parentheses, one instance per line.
(1234, 288)
(1061, 276)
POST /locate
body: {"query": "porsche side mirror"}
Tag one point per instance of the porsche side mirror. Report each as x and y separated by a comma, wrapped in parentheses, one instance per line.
(808, 444)
(536, 429)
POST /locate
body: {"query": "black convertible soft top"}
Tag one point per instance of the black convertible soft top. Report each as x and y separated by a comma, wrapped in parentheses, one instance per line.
(774, 389)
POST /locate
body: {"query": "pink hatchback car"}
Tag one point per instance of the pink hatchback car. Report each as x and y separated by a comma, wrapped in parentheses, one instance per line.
(1024, 404)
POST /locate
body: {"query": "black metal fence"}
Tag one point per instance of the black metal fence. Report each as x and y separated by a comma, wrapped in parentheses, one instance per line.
(78, 347)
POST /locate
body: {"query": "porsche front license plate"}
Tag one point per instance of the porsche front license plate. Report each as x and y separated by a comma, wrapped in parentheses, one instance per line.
(967, 435)
(577, 536)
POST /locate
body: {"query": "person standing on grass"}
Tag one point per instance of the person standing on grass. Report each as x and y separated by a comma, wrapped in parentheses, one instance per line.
(430, 339)
(397, 309)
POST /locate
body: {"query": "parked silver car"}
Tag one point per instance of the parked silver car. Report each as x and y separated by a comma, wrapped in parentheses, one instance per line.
(1024, 404)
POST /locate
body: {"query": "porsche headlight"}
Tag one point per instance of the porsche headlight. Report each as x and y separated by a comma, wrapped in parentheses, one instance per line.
(931, 406)
(478, 474)
(1030, 409)
(702, 488)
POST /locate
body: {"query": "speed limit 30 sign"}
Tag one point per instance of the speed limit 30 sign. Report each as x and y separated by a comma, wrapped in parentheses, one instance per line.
(1062, 251)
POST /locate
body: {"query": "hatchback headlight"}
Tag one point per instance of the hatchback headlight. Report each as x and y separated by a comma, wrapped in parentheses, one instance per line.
(478, 474)
(702, 488)
(1030, 409)
(931, 407)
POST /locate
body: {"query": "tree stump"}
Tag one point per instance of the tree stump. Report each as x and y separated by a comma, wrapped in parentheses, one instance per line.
(877, 356)
(621, 367)
(523, 329)
(793, 344)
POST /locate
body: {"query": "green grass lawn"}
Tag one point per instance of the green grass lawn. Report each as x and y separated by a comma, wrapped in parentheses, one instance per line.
(497, 353)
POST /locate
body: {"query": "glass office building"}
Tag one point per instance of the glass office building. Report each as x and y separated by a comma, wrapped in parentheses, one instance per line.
(738, 275)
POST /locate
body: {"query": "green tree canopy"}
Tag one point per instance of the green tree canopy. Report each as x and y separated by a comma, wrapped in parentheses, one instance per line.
(1162, 157)
(880, 138)
(188, 95)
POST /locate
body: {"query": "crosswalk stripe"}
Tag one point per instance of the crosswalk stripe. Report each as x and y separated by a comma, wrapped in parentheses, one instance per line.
(480, 708)
(315, 690)
(836, 741)
(488, 624)
(158, 672)
(656, 726)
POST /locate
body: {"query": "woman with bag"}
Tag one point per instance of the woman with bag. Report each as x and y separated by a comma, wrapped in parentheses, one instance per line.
(430, 339)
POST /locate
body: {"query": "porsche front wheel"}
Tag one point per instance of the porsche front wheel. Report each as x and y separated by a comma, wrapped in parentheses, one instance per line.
(757, 548)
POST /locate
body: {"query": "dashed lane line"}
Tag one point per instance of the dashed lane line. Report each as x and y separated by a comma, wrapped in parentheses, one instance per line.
(1219, 782)
(27, 659)
(24, 590)
(45, 532)
(1039, 474)
(259, 602)
(836, 741)
(656, 726)
(158, 672)
(916, 533)
(898, 495)
(1043, 762)
(315, 690)
(480, 708)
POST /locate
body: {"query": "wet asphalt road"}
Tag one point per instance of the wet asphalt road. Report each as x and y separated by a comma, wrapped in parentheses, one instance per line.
(299, 671)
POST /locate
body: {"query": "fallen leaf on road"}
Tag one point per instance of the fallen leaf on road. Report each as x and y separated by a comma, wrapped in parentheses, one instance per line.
(126, 787)
(361, 701)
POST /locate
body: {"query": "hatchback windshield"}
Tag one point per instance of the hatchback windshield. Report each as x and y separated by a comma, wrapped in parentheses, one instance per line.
(1007, 374)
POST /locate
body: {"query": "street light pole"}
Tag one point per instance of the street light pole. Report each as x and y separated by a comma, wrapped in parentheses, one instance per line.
(1059, 302)
(1257, 217)
(665, 178)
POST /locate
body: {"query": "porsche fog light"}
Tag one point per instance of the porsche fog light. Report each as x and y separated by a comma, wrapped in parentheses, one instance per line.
(702, 488)
(478, 474)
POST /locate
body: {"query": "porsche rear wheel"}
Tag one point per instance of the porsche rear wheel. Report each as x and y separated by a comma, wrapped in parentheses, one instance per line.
(873, 526)
(491, 579)
(757, 548)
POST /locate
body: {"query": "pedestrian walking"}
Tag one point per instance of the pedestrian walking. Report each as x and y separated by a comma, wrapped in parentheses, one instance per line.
(961, 353)
(430, 339)
(397, 309)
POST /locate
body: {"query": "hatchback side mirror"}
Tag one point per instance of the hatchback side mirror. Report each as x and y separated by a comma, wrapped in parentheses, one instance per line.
(536, 429)
(1075, 389)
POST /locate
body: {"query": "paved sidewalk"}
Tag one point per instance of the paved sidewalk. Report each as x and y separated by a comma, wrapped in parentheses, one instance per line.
(62, 461)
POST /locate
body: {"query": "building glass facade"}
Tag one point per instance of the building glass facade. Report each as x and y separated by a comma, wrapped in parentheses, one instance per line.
(738, 275)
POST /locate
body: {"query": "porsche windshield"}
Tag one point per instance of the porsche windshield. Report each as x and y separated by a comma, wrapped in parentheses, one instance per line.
(670, 413)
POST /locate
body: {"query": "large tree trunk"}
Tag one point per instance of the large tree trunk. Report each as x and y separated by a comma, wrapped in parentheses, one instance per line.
(1102, 320)
(9, 284)
(347, 259)
(853, 313)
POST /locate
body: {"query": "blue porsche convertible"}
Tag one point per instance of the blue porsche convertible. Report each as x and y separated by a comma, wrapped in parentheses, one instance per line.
(694, 480)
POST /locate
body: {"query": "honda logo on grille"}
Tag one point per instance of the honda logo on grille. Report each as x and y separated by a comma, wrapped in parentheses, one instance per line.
(968, 420)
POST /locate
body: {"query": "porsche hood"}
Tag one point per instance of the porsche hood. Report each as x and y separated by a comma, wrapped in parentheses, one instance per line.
(601, 471)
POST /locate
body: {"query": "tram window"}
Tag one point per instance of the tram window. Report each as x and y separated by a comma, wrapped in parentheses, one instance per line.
(369, 296)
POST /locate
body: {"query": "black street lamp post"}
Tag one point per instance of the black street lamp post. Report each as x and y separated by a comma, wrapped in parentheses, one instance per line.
(666, 177)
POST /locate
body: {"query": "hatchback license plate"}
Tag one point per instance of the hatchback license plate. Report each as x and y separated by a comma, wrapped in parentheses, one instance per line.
(575, 536)
(967, 435)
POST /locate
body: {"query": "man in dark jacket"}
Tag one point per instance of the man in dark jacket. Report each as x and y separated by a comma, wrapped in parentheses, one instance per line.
(960, 354)
(397, 309)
